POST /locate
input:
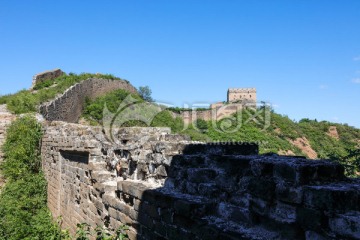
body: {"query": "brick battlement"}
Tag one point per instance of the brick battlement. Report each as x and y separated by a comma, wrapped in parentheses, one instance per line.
(165, 187)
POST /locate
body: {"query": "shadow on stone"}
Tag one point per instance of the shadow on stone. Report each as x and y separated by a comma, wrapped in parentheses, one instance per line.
(165, 187)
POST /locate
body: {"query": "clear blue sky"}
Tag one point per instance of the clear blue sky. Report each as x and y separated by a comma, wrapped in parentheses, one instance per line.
(302, 56)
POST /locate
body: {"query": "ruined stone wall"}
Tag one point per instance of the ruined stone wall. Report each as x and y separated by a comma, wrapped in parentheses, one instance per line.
(216, 113)
(47, 75)
(68, 107)
(165, 187)
(191, 116)
(78, 164)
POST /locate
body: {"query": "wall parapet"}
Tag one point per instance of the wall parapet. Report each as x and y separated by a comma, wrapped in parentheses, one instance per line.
(68, 106)
(164, 186)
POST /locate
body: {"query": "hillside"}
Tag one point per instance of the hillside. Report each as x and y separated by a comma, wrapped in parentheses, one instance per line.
(282, 136)
(23, 199)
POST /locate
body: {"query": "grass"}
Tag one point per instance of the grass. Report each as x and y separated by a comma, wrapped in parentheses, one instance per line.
(273, 139)
(26, 101)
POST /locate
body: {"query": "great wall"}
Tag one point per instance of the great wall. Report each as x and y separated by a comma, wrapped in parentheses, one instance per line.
(164, 186)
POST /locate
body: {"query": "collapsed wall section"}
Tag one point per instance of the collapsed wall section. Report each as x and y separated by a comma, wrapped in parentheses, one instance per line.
(78, 159)
(164, 187)
(47, 75)
(68, 107)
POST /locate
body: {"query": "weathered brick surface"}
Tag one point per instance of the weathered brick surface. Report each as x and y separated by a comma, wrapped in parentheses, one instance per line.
(5, 120)
(47, 75)
(175, 189)
(68, 107)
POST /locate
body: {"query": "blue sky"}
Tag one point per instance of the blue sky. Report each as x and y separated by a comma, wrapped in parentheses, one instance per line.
(302, 56)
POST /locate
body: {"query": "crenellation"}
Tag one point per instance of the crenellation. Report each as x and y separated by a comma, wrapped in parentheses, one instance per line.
(241, 95)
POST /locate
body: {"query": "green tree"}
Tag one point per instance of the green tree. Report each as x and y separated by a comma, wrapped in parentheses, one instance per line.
(145, 93)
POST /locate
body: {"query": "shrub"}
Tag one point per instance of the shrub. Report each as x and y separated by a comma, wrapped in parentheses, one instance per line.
(21, 148)
(23, 210)
(93, 110)
(202, 125)
(44, 84)
(22, 102)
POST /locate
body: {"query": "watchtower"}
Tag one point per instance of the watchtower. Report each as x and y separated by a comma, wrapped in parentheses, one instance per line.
(241, 94)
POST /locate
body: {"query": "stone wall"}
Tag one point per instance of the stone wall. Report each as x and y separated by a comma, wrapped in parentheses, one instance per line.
(191, 116)
(5, 120)
(68, 107)
(165, 187)
(217, 112)
(47, 75)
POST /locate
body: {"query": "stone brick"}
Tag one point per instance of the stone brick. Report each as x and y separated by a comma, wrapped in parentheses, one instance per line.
(262, 168)
(167, 215)
(222, 149)
(259, 206)
(332, 197)
(346, 225)
(309, 218)
(287, 193)
(145, 220)
(204, 175)
(303, 171)
(123, 218)
(311, 235)
(283, 213)
(135, 189)
(158, 198)
(150, 210)
(264, 188)
(190, 208)
(206, 232)
(188, 160)
(173, 232)
(234, 165)
(234, 213)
